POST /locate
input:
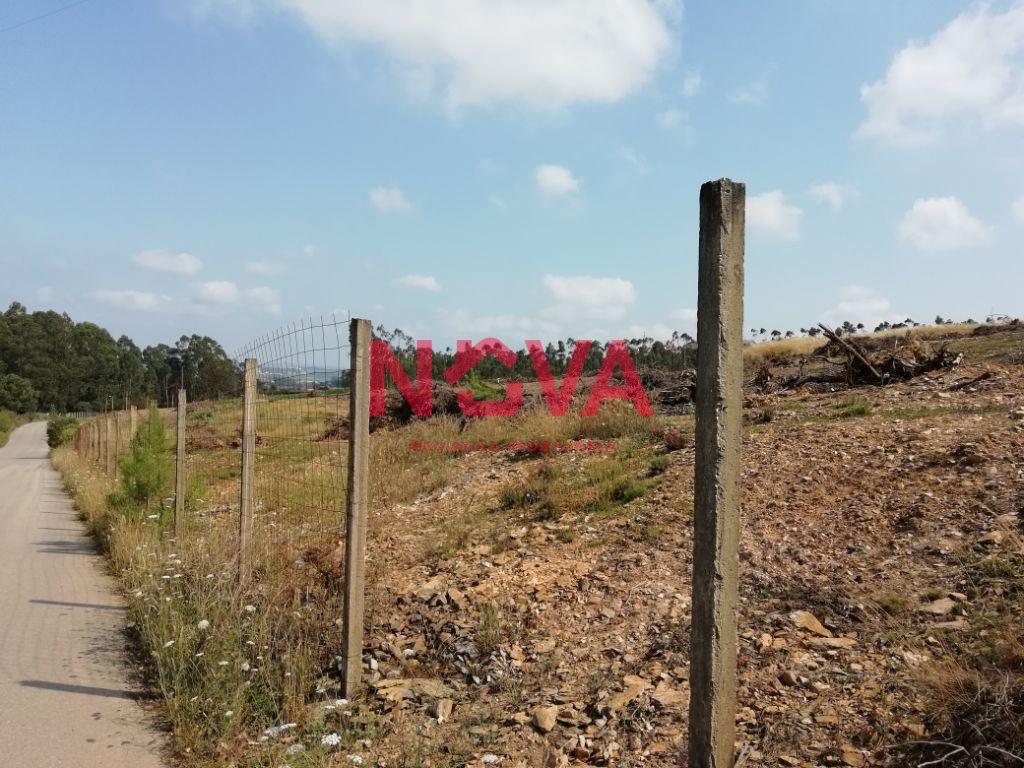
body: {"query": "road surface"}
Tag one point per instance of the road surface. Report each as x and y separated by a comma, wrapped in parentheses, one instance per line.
(65, 696)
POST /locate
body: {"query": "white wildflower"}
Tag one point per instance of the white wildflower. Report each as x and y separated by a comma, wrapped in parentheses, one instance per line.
(203, 625)
(355, 759)
(229, 713)
(250, 609)
(331, 740)
(222, 663)
(168, 644)
(245, 666)
(294, 749)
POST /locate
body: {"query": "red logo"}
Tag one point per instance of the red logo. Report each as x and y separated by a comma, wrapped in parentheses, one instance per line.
(383, 363)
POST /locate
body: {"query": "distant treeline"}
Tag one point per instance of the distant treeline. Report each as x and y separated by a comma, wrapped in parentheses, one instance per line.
(677, 354)
(49, 362)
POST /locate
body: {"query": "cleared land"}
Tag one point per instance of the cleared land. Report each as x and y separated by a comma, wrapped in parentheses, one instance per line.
(536, 609)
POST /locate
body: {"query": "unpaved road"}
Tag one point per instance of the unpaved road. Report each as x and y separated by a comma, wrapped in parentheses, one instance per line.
(65, 696)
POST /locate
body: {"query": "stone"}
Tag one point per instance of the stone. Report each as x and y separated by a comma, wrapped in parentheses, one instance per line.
(851, 756)
(939, 607)
(443, 709)
(807, 620)
(545, 718)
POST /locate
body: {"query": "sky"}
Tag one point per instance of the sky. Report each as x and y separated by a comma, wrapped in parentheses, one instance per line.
(510, 168)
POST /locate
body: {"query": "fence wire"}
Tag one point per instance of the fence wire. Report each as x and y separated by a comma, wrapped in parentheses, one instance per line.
(301, 437)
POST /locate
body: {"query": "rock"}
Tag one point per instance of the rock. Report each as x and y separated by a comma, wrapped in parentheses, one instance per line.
(443, 709)
(994, 538)
(939, 607)
(544, 646)
(634, 687)
(666, 697)
(834, 642)
(544, 718)
(807, 620)
(851, 756)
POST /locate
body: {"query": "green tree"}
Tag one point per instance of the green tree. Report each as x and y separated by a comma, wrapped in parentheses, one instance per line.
(17, 394)
(146, 468)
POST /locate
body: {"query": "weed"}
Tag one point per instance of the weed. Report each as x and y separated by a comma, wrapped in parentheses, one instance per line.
(892, 603)
(852, 407)
(658, 466)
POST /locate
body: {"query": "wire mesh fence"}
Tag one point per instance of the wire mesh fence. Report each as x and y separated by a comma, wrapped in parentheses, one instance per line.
(301, 436)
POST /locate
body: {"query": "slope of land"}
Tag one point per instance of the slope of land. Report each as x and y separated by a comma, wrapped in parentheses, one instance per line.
(530, 610)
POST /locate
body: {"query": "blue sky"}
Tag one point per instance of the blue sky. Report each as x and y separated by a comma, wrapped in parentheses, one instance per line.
(462, 168)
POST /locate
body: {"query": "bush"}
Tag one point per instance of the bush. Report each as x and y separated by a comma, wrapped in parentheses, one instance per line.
(17, 394)
(146, 469)
(60, 430)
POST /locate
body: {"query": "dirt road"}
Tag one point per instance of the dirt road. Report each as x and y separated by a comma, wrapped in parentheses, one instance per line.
(65, 698)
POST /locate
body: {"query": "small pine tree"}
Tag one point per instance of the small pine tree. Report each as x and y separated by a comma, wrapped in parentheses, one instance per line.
(146, 469)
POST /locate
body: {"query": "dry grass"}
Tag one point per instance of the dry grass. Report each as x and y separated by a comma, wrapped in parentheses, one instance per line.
(228, 663)
(769, 351)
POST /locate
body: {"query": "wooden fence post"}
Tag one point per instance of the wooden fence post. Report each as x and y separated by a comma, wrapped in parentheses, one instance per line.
(356, 504)
(133, 422)
(179, 465)
(248, 456)
(719, 427)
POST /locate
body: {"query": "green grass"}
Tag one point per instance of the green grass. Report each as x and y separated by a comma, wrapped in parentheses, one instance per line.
(852, 407)
(8, 423)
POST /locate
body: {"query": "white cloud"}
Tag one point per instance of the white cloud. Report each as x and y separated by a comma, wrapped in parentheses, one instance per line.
(943, 224)
(671, 119)
(771, 214)
(634, 160)
(581, 306)
(166, 261)
(755, 92)
(1018, 209)
(267, 298)
(500, 203)
(580, 297)
(858, 304)
(687, 316)
(389, 200)
(836, 195)
(691, 84)
(545, 53)
(973, 69)
(143, 301)
(265, 268)
(556, 181)
(420, 282)
(220, 292)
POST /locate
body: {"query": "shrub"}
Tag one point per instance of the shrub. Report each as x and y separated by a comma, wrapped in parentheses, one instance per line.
(146, 469)
(60, 430)
(17, 394)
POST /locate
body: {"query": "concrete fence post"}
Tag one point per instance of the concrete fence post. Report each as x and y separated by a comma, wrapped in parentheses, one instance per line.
(248, 458)
(133, 422)
(109, 443)
(719, 426)
(356, 504)
(179, 465)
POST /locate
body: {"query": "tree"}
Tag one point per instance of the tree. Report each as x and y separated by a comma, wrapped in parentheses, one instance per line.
(17, 394)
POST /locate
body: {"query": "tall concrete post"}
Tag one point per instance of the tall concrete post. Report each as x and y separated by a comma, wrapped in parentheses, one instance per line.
(357, 504)
(179, 465)
(719, 428)
(248, 459)
(110, 453)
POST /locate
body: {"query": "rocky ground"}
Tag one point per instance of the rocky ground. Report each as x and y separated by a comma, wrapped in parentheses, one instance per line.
(880, 543)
